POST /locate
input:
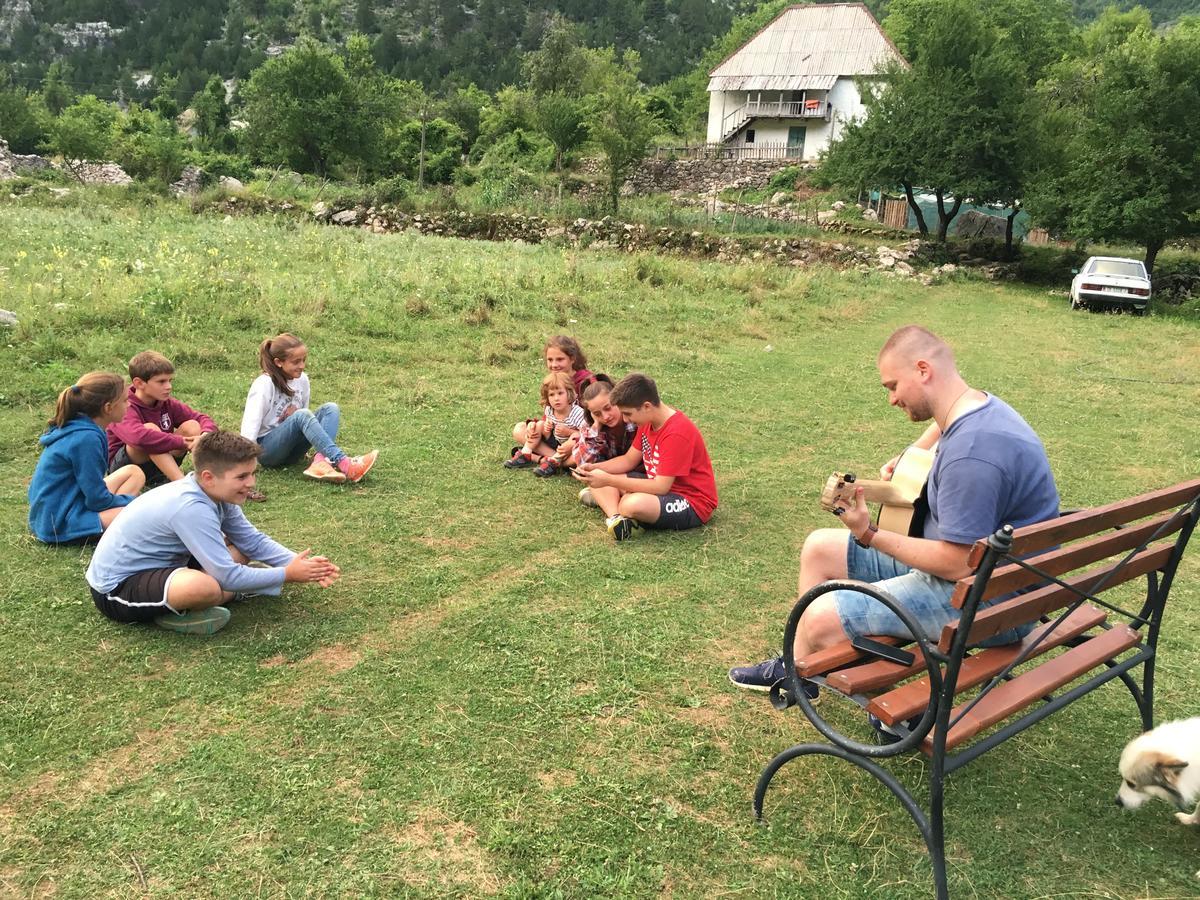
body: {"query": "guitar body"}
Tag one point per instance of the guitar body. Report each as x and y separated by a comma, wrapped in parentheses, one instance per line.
(901, 500)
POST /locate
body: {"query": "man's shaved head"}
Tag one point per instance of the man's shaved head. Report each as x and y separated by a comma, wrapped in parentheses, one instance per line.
(912, 342)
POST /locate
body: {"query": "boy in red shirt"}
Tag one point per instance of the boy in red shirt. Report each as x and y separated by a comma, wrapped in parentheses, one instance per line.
(158, 430)
(678, 490)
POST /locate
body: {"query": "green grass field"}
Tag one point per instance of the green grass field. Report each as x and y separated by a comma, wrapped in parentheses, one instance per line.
(495, 699)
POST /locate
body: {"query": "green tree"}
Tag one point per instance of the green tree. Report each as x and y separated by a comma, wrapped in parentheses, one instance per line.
(22, 118)
(464, 107)
(303, 111)
(560, 118)
(147, 146)
(619, 120)
(560, 64)
(57, 94)
(82, 132)
(364, 16)
(426, 152)
(957, 121)
(1127, 116)
(212, 114)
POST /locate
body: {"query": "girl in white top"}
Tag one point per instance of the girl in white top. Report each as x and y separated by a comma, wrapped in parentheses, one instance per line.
(278, 418)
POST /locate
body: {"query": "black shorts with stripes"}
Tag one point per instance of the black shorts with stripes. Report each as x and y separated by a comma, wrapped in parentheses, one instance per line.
(139, 598)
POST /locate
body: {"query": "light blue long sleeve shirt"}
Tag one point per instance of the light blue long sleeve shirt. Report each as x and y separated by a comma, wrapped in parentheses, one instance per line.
(164, 527)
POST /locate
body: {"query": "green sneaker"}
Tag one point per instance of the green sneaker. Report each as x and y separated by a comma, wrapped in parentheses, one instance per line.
(200, 621)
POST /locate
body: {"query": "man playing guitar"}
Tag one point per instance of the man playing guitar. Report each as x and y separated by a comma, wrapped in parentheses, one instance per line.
(990, 470)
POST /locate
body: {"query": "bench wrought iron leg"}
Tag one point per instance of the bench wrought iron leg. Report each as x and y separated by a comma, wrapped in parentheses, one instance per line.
(936, 838)
(931, 829)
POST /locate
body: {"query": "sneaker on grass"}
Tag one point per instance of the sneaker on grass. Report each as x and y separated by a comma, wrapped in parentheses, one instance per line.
(519, 460)
(763, 676)
(622, 527)
(547, 468)
(321, 470)
(586, 498)
(355, 467)
(200, 621)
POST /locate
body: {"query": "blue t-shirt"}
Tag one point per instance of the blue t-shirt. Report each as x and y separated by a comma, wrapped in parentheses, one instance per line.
(990, 470)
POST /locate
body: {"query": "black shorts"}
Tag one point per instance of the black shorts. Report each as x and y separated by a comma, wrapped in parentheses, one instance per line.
(154, 475)
(675, 513)
(139, 598)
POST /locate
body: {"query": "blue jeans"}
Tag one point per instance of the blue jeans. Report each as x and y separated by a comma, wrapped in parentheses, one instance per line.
(288, 441)
(925, 596)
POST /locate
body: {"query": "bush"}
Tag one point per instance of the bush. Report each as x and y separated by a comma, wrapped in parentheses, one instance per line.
(785, 180)
(1049, 265)
(1176, 280)
(388, 190)
(217, 165)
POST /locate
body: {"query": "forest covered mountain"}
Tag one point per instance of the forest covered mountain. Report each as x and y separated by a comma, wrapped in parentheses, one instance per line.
(109, 46)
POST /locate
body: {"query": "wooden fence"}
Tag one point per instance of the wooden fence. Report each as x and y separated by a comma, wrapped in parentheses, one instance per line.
(763, 150)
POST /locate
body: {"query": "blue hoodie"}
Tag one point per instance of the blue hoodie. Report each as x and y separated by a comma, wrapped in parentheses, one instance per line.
(68, 493)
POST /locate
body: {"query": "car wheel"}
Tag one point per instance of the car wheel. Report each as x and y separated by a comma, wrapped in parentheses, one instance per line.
(1140, 310)
(1075, 302)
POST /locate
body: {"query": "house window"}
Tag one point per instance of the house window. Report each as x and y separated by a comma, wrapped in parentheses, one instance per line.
(749, 135)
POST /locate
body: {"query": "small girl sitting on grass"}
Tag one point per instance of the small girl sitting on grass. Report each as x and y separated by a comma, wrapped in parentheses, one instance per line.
(562, 353)
(552, 435)
(70, 498)
(278, 418)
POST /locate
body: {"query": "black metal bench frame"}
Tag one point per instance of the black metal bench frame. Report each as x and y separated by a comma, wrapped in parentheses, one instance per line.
(943, 669)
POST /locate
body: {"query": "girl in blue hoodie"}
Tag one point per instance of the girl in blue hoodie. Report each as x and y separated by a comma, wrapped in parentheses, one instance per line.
(70, 498)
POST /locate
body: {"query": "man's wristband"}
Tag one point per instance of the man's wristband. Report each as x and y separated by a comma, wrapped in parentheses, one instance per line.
(868, 536)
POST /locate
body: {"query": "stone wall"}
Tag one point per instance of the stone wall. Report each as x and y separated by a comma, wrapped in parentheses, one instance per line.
(691, 176)
(13, 165)
(703, 176)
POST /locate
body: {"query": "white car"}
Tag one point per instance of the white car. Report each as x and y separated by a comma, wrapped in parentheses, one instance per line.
(1111, 281)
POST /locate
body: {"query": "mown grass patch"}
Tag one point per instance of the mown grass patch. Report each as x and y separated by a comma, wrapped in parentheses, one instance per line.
(495, 699)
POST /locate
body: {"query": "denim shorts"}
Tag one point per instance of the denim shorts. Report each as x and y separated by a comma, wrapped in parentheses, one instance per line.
(926, 597)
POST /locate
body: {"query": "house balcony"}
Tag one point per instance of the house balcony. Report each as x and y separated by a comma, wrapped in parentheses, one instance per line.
(788, 109)
(774, 109)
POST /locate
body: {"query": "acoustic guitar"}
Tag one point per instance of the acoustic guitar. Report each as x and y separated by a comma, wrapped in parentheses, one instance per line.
(901, 501)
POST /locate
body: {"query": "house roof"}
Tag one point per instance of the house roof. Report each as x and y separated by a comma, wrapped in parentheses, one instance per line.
(807, 48)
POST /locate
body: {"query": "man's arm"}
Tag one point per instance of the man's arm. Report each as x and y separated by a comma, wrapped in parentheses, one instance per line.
(928, 438)
(941, 558)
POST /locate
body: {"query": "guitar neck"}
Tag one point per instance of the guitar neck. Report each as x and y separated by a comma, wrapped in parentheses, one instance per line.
(885, 492)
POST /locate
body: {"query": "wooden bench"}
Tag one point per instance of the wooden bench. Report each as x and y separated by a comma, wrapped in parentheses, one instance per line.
(956, 701)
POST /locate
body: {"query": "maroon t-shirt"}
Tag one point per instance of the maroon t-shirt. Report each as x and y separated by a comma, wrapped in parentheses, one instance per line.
(678, 450)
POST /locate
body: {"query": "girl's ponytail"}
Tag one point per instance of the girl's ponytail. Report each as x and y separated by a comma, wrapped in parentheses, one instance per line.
(275, 348)
(88, 396)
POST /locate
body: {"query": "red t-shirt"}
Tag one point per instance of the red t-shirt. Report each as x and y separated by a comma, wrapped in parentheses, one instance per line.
(678, 450)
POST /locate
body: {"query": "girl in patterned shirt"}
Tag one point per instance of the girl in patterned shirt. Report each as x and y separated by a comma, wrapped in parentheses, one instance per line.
(555, 430)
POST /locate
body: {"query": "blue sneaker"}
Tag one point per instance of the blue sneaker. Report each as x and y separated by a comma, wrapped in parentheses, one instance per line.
(765, 675)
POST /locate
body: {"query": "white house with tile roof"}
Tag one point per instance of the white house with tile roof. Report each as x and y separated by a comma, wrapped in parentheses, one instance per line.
(796, 83)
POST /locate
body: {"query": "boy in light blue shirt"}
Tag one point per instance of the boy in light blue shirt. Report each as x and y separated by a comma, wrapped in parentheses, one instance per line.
(178, 552)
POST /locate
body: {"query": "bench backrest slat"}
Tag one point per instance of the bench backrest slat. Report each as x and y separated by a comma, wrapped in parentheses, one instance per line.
(1044, 535)
(1029, 607)
(1013, 577)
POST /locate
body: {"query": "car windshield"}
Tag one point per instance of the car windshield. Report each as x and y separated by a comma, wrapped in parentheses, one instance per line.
(1126, 268)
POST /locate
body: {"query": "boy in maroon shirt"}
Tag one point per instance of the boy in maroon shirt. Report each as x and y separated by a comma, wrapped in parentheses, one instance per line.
(678, 490)
(158, 430)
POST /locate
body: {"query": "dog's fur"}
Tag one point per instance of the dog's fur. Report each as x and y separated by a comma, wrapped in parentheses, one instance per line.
(1164, 763)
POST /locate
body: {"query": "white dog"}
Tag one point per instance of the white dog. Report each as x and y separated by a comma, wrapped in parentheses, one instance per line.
(1164, 763)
